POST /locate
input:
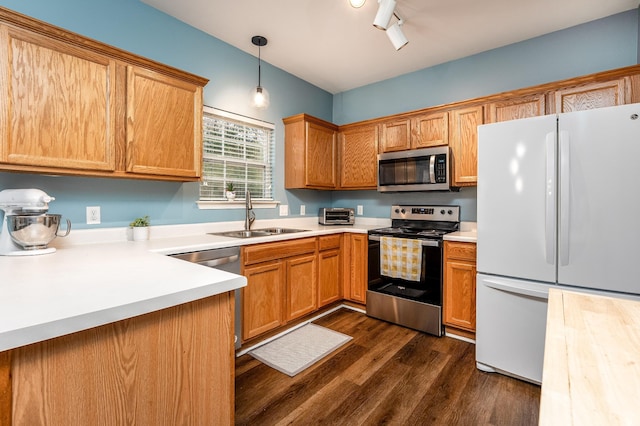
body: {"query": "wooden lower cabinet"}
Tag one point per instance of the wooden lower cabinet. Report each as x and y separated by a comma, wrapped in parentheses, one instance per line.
(173, 366)
(262, 298)
(459, 302)
(281, 284)
(302, 285)
(329, 269)
(355, 267)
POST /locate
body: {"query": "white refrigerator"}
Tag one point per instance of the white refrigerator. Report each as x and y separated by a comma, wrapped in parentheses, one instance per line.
(558, 206)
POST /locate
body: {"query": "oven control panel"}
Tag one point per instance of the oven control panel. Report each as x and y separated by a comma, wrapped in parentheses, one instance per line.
(439, 213)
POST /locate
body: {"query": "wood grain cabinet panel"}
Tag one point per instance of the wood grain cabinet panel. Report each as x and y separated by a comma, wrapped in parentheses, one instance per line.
(75, 106)
(395, 135)
(516, 108)
(329, 269)
(459, 299)
(591, 96)
(355, 267)
(464, 144)
(164, 125)
(429, 130)
(358, 147)
(173, 366)
(302, 286)
(310, 153)
(58, 107)
(263, 298)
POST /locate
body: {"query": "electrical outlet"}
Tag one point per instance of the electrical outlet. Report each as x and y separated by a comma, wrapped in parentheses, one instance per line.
(93, 215)
(284, 210)
(303, 210)
(360, 211)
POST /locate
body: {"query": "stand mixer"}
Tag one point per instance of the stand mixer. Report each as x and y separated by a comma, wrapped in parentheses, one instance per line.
(34, 203)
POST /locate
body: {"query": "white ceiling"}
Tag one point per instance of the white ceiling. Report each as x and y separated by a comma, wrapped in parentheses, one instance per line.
(334, 46)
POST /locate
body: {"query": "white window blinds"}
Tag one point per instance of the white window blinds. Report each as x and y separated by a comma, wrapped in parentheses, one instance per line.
(237, 150)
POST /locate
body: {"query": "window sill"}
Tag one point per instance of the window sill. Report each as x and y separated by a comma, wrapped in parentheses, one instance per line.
(235, 204)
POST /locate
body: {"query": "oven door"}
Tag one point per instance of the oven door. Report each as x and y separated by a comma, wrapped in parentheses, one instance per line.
(413, 304)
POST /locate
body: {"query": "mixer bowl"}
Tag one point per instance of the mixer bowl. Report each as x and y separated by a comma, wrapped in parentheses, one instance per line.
(34, 232)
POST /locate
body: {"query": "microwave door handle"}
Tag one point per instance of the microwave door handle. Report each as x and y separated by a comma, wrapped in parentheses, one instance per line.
(432, 169)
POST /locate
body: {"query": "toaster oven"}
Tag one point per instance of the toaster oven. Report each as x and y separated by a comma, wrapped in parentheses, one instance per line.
(336, 216)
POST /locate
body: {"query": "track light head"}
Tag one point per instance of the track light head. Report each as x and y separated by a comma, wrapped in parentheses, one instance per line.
(385, 12)
(397, 37)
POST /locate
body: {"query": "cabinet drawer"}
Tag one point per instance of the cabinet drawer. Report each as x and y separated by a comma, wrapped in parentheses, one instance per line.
(457, 250)
(270, 251)
(327, 242)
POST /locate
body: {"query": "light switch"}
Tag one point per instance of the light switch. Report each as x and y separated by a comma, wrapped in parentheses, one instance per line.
(303, 210)
(284, 210)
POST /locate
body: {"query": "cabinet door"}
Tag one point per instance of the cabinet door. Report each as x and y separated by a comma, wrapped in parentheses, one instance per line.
(430, 130)
(591, 96)
(459, 302)
(395, 135)
(262, 298)
(356, 248)
(464, 145)
(320, 161)
(301, 285)
(164, 125)
(58, 103)
(329, 277)
(514, 109)
(359, 157)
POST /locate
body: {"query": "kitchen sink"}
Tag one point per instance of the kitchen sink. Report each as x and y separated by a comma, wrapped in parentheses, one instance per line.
(264, 232)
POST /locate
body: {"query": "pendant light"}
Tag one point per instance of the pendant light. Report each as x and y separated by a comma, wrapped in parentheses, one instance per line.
(259, 96)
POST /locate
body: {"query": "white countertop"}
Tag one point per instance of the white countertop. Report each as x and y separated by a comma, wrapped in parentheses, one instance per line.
(96, 276)
(468, 233)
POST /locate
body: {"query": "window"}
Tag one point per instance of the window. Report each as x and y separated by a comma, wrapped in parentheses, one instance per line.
(237, 150)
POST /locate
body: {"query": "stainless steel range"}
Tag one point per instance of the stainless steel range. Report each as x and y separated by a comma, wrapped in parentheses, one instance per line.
(405, 266)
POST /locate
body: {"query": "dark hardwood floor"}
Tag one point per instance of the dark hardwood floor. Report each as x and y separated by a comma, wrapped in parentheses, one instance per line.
(385, 375)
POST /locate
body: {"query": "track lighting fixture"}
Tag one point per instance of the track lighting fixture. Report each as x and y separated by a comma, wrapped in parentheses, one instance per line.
(386, 11)
(259, 96)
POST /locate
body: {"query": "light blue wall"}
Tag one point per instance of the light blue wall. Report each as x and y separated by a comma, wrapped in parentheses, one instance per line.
(138, 28)
(131, 25)
(600, 45)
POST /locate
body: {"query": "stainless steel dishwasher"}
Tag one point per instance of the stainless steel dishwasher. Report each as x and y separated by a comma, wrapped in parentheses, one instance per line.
(225, 259)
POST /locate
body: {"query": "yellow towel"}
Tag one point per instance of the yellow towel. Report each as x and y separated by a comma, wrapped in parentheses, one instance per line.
(400, 258)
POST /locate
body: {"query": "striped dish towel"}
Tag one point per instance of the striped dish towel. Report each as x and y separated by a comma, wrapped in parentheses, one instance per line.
(400, 258)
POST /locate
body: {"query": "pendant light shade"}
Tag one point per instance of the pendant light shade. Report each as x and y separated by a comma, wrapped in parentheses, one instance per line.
(259, 96)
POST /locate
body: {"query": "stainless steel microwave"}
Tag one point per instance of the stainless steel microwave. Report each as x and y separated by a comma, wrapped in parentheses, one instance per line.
(425, 169)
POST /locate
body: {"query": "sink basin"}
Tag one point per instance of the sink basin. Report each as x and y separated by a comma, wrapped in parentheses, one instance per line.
(264, 232)
(273, 231)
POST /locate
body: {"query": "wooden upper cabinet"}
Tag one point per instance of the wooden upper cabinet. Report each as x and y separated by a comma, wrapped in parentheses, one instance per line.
(464, 144)
(516, 108)
(310, 152)
(395, 135)
(429, 130)
(58, 108)
(164, 125)
(358, 147)
(75, 106)
(591, 96)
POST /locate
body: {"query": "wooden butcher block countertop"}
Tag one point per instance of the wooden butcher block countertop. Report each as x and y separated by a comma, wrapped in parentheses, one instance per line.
(591, 372)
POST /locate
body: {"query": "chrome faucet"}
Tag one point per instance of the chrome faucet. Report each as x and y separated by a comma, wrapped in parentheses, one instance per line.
(250, 216)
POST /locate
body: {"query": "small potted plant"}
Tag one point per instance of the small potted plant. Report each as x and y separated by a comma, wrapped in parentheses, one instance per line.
(230, 191)
(140, 228)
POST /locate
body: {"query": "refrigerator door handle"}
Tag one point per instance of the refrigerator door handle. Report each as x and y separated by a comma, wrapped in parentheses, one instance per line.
(565, 173)
(550, 199)
(496, 285)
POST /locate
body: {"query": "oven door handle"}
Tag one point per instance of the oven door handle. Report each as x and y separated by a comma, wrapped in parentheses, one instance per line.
(424, 243)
